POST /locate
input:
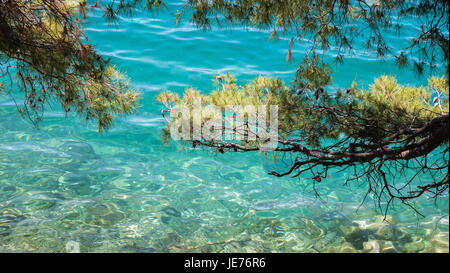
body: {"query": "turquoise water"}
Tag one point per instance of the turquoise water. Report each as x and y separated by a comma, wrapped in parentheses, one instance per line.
(124, 191)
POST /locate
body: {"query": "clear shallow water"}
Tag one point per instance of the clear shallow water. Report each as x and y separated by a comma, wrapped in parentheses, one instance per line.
(124, 191)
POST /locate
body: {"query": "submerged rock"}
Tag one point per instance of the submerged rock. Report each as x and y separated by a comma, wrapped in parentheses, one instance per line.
(8, 219)
(165, 219)
(171, 211)
(347, 248)
(80, 149)
(371, 246)
(384, 232)
(440, 242)
(104, 214)
(415, 246)
(9, 188)
(388, 247)
(381, 235)
(39, 204)
(77, 182)
(357, 238)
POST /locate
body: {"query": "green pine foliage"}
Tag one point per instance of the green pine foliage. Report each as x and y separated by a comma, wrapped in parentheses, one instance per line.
(46, 57)
(386, 105)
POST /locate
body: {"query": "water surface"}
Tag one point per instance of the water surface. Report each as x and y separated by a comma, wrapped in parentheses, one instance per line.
(124, 191)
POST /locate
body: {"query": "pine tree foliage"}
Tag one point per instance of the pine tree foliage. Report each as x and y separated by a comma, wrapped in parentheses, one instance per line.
(45, 55)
